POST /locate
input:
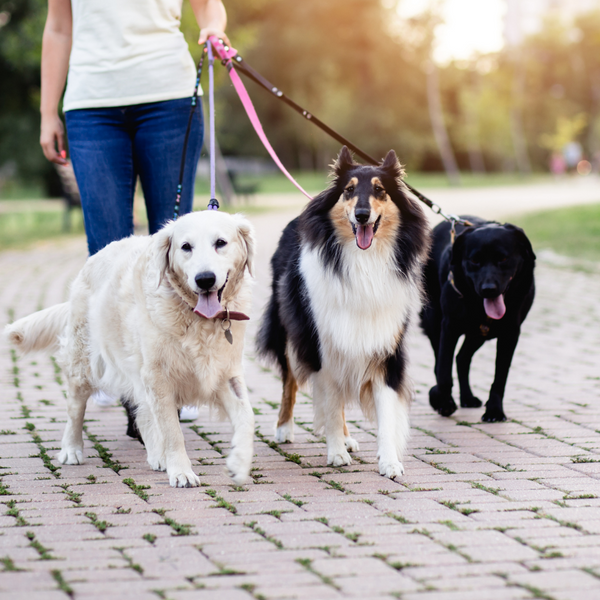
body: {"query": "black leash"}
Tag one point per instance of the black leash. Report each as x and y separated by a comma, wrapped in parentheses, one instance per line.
(241, 65)
(193, 107)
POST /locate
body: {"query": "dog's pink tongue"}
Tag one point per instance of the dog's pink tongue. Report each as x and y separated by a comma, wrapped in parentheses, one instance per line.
(494, 307)
(364, 236)
(208, 305)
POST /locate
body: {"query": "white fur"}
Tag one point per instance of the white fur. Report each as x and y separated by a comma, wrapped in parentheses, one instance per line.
(360, 317)
(132, 332)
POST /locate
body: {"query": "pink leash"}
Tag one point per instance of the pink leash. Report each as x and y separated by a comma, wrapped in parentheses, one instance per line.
(226, 54)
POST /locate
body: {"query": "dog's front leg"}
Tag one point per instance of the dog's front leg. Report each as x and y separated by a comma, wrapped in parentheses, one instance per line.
(234, 399)
(440, 396)
(471, 344)
(392, 429)
(158, 423)
(505, 350)
(329, 414)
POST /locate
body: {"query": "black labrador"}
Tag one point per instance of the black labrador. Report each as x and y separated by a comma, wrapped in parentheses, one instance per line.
(481, 286)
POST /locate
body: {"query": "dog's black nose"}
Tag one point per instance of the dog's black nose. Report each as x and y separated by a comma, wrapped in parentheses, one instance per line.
(362, 215)
(489, 290)
(205, 280)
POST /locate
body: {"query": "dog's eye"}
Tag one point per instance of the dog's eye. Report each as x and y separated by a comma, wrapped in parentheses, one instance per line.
(349, 190)
(474, 262)
(186, 247)
(220, 243)
(377, 189)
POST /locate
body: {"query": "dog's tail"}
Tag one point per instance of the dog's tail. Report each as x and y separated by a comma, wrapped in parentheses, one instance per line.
(39, 331)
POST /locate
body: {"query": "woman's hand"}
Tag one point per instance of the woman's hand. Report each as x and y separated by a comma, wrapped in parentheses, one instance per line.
(211, 18)
(52, 139)
(208, 31)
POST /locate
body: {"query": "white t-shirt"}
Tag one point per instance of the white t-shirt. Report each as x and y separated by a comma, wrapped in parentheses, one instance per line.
(127, 52)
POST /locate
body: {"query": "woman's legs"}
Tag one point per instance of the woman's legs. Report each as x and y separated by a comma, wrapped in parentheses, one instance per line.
(101, 150)
(110, 147)
(157, 149)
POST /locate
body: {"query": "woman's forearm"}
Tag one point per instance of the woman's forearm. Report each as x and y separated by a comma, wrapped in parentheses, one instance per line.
(211, 17)
(56, 49)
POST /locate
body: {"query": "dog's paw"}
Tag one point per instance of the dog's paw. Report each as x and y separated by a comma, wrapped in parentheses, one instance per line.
(351, 444)
(70, 456)
(186, 479)
(441, 402)
(470, 402)
(391, 469)
(339, 459)
(493, 415)
(285, 433)
(157, 464)
(238, 466)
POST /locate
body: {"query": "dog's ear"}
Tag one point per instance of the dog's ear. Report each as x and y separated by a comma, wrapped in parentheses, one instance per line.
(247, 234)
(524, 244)
(458, 248)
(344, 162)
(391, 165)
(162, 241)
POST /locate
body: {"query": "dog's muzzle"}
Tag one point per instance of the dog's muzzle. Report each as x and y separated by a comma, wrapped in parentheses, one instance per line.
(364, 231)
(209, 299)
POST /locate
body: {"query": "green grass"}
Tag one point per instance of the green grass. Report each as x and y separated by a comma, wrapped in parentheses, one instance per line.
(572, 231)
(20, 229)
(18, 191)
(316, 181)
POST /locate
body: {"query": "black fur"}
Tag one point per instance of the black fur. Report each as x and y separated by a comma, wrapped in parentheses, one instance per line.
(486, 260)
(288, 315)
(132, 429)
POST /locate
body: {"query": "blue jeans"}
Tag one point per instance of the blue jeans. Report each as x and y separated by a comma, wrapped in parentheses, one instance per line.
(111, 147)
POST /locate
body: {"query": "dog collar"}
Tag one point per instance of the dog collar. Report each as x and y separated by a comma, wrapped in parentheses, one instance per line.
(232, 315)
(451, 281)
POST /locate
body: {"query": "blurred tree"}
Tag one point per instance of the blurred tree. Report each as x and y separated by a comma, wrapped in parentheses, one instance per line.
(362, 70)
(21, 27)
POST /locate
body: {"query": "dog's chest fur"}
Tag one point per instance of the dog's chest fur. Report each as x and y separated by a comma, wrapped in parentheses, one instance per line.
(360, 313)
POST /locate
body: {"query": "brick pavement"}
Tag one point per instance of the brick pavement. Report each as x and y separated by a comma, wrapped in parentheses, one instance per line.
(485, 511)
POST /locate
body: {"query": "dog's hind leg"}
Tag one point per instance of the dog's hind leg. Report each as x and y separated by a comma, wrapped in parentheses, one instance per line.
(284, 431)
(350, 442)
(71, 453)
(392, 429)
(471, 344)
(234, 399)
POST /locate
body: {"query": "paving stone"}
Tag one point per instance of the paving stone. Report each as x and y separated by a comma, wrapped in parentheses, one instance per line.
(484, 511)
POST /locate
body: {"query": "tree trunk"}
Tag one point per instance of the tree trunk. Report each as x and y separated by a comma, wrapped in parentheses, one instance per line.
(439, 128)
(516, 118)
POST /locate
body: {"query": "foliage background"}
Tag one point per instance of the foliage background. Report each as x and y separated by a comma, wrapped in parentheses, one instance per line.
(360, 69)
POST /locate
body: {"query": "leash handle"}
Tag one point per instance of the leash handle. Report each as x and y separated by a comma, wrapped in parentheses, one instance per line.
(227, 54)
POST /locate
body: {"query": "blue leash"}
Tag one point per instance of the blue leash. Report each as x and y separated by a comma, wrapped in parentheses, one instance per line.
(213, 203)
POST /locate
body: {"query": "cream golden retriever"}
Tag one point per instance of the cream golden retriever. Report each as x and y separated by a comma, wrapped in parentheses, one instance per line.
(147, 320)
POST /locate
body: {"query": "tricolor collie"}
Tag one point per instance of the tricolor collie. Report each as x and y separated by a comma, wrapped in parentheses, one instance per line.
(346, 282)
